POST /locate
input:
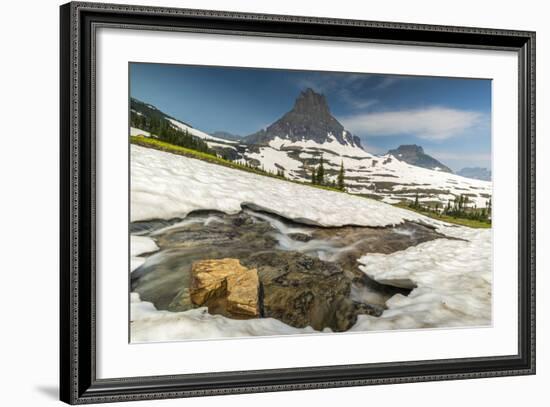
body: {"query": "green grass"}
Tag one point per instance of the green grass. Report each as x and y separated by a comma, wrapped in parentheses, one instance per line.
(170, 148)
(449, 219)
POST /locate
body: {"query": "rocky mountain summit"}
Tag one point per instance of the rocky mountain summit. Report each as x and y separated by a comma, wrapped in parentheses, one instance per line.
(415, 155)
(309, 119)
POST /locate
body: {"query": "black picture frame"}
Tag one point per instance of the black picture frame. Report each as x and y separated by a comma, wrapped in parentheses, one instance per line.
(78, 382)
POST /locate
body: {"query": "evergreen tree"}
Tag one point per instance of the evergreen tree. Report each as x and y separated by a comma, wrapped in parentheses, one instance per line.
(313, 176)
(448, 208)
(321, 173)
(341, 185)
(416, 203)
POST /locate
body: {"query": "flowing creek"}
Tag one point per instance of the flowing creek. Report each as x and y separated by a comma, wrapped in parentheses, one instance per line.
(308, 275)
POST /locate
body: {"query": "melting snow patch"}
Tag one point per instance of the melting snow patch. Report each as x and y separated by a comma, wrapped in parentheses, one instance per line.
(140, 245)
(452, 277)
(150, 324)
(167, 186)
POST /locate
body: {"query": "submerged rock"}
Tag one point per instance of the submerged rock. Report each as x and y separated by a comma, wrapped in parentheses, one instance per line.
(225, 287)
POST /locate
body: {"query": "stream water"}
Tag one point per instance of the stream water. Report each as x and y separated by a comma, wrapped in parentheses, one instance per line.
(309, 275)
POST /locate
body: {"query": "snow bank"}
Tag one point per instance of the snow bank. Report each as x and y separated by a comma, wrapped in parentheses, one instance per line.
(134, 131)
(140, 245)
(149, 324)
(453, 280)
(167, 186)
(213, 144)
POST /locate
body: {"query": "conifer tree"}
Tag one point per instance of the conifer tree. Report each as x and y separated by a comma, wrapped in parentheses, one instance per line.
(321, 173)
(448, 208)
(341, 185)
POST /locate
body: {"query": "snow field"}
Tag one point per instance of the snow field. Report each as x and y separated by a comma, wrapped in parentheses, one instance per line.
(168, 186)
(451, 278)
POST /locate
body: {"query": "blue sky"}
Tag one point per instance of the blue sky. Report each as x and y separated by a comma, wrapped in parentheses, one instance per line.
(449, 117)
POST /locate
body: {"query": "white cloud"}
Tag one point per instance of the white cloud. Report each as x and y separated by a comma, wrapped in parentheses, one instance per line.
(386, 82)
(363, 103)
(355, 102)
(432, 123)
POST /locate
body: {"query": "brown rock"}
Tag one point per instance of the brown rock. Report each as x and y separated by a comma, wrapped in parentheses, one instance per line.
(225, 287)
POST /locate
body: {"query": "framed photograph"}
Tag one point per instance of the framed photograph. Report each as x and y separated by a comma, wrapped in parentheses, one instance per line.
(255, 203)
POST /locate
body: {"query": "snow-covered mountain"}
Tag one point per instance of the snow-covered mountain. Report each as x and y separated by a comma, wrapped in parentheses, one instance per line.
(297, 141)
(415, 155)
(309, 120)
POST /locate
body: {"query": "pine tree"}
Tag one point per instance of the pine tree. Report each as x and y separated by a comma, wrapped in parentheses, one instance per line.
(313, 176)
(448, 208)
(321, 173)
(416, 203)
(341, 185)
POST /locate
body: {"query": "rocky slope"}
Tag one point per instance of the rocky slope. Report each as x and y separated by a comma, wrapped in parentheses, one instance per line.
(309, 119)
(415, 155)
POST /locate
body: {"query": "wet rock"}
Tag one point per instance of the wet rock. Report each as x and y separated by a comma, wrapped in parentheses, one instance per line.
(182, 301)
(368, 309)
(303, 291)
(300, 237)
(225, 287)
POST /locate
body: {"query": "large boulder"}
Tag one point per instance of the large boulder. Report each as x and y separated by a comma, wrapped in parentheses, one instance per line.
(304, 291)
(225, 287)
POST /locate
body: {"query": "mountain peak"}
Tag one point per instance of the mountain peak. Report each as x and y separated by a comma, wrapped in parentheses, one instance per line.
(311, 102)
(414, 154)
(309, 119)
(409, 149)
